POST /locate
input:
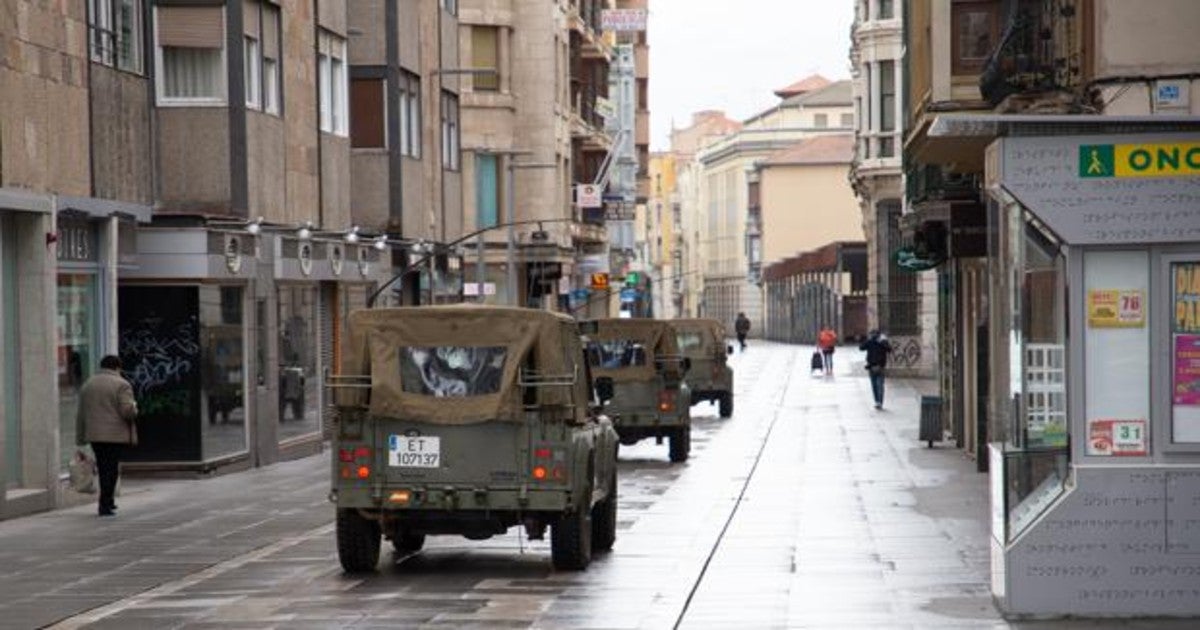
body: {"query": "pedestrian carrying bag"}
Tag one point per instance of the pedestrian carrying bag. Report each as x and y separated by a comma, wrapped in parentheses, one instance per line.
(82, 472)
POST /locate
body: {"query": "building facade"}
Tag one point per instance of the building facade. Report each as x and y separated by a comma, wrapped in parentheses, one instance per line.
(732, 259)
(903, 303)
(1046, 159)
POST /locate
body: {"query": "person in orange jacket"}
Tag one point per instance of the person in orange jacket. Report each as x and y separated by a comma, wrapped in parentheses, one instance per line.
(827, 342)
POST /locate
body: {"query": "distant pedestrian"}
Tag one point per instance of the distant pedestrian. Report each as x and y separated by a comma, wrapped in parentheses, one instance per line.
(742, 328)
(106, 419)
(877, 348)
(827, 342)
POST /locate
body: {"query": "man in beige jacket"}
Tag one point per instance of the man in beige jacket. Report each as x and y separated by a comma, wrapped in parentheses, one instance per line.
(106, 419)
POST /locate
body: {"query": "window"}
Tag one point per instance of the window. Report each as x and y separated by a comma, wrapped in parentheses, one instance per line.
(887, 95)
(115, 33)
(449, 6)
(270, 61)
(820, 121)
(332, 80)
(616, 353)
(410, 115)
(253, 62)
(886, 11)
(847, 120)
(487, 190)
(452, 371)
(485, 55)
(367, 106)
(191, 55)
(976, 30)
(1185, 351)
(450, 131)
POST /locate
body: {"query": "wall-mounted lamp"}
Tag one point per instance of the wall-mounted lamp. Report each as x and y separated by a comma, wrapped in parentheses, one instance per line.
(352, 236)
(254, 228)
(380, 242)
(305, 231)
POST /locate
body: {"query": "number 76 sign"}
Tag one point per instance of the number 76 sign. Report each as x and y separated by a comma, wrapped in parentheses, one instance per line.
(1121, 438)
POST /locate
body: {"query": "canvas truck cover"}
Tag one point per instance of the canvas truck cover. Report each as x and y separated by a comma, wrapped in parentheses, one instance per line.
(700, 338)
(454, 365)
(610, 347)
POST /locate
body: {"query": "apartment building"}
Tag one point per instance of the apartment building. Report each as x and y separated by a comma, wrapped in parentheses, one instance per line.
(901, 302)
(659, 239)
(1046, 160)
(705, 127)
(532, 130)
(176, 188)
(731, 246)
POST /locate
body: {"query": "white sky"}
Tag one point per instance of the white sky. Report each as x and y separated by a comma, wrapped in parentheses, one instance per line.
(732, 54)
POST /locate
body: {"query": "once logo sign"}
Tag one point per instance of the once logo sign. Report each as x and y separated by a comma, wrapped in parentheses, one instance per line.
(1164, 159)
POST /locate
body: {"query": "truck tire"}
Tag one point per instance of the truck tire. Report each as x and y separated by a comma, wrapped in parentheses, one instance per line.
(726, 404)
(405, 543)
(357, 541)
(604, 519)
(681, 444)
(571, 540)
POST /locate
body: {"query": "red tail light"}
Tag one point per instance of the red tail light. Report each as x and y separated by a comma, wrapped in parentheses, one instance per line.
(539, 472)
(363, 472)
(542, 453)
(666, 400)
(345, 455)
(361, 452)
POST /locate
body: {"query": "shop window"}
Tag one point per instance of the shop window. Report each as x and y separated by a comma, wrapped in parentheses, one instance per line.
(1185, 352)
(299, 409)
(223, 378)
(976, 31)
(191, 55)
(78, 354)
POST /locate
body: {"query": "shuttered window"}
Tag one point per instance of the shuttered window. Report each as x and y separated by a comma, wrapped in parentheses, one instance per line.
(367, 114)
(191, 55)
(485, 55)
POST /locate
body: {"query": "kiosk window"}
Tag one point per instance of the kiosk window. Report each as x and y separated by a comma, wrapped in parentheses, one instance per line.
(1185, 352)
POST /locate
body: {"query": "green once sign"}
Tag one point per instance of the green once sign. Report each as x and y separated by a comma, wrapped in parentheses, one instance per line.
(1096, 160)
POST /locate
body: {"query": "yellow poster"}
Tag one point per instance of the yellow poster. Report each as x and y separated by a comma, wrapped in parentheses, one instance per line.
(1116, 308)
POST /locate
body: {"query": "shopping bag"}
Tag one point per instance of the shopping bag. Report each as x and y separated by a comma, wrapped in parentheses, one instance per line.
(82, 472)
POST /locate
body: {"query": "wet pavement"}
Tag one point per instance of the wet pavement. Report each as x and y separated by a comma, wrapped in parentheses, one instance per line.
(807, 509)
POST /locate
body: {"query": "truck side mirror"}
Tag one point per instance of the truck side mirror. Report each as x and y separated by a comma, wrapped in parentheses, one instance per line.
(604, 388)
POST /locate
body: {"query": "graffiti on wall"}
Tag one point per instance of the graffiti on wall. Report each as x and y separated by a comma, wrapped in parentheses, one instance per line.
(906, 352)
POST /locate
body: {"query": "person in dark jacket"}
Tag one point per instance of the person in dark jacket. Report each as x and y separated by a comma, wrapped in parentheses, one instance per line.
(877, 348)
(105, 418)
(742, 327)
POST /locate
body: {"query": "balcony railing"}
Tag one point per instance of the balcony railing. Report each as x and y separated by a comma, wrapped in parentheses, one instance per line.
(1039, 51)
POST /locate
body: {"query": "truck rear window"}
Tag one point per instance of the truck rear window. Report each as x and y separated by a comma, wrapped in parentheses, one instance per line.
(616, 353)
(690, 341)
(452, 371)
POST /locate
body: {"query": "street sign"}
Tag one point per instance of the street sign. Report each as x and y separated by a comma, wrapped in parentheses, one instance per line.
(589, 196)
(629, 295)
(472, 288)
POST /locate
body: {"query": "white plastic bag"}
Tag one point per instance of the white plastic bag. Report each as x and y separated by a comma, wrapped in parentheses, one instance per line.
(82, 472)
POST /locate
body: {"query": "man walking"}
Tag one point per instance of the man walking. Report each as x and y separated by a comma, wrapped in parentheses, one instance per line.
(877, 348)
(106, 419)
(742, 327)
(827, 342)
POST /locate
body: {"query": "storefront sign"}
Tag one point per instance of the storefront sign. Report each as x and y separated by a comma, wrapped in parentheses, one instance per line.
(1187, 298)
(623, 20)
(1116, 308)
(1153, 197)
(1185, 388)
(1160, 159)
(1120, 438)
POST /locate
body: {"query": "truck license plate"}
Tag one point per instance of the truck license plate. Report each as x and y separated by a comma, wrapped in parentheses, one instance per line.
(420, 451)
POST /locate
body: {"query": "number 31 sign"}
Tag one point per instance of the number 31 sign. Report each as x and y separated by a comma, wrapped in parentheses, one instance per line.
(1121, 438)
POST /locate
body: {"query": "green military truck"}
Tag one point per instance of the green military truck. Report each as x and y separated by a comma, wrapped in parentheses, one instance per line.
(710, 378)
(650, 398)
(468, 420)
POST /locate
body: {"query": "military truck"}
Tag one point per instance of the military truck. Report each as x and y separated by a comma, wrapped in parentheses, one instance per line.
(469, 420)
(650, 398)
(710, 377)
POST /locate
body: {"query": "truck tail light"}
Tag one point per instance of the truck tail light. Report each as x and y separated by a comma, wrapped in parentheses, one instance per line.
(364, 472)
(542, 453)
(362, 452)
(345, 455)
(666, 400)
(539, 472)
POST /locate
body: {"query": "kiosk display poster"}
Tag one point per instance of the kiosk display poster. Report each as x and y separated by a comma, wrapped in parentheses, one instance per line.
(1185, 352)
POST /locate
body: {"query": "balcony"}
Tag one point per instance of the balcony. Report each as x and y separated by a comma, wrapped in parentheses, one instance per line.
(1039, 53)
(589, 230)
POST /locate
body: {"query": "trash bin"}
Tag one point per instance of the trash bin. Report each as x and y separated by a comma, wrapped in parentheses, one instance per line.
(931, 420)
